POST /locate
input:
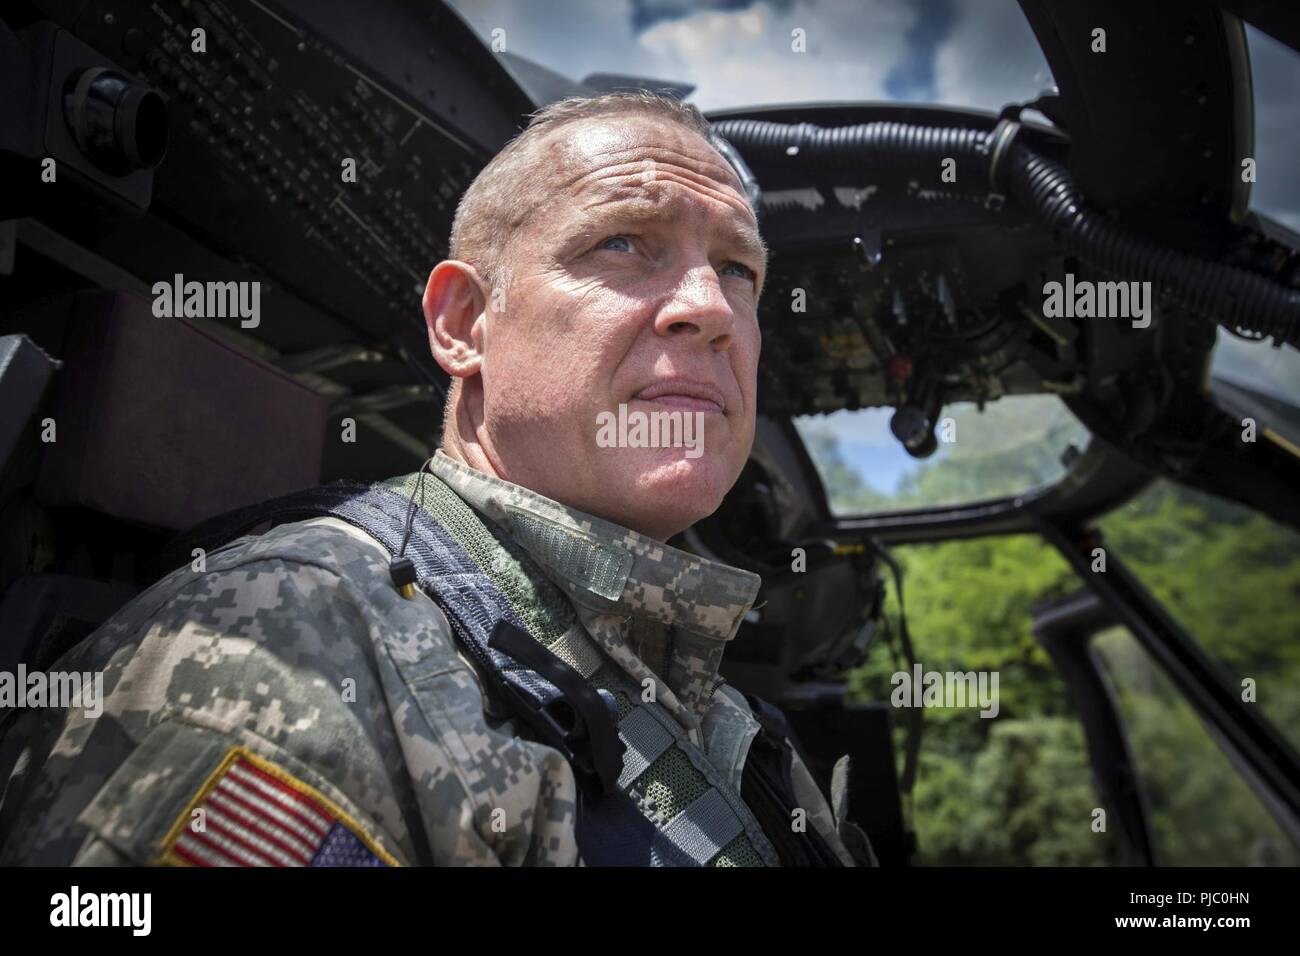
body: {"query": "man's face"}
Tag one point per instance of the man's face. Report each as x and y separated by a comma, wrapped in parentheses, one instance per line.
(638, 285)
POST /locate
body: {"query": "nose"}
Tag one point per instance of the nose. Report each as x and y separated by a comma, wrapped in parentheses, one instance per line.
(697, 307)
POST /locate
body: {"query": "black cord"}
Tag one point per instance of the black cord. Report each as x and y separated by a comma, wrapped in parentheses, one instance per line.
(912, 752)
(410, 510)
(401, 569)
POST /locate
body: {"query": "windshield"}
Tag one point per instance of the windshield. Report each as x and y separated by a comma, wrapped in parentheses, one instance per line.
(1258, 366)
(1229, 576)
(1015, 444)
(1260, 384)
(976, 53)
(1202, 811)
(1275, 76)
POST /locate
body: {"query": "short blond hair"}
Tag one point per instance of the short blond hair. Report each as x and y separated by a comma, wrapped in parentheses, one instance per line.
(507, 191)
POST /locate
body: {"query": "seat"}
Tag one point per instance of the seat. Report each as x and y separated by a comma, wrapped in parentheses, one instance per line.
(164, 424)
(157, 425)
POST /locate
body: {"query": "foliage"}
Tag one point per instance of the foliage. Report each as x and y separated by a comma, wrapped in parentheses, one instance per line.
(1017, 789)
(1201, 809)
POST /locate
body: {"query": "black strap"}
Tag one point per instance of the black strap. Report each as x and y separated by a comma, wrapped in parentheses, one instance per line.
(543, 691)
(912, 752)
(224, 528)
(580, 724)
(767, 787)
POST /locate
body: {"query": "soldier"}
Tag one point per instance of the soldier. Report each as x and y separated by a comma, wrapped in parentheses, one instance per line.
(287, 704)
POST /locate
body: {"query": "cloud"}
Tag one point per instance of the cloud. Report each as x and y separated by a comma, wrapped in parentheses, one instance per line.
(571, 37)
(973, 53)
(977, 53)
(868, 427)
(739, 52)
(913, 78)
(1276, 72)
(646, 13)
(748, 56)
(990, 58)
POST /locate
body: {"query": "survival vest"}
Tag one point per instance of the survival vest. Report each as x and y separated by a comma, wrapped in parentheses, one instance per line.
(648, 796)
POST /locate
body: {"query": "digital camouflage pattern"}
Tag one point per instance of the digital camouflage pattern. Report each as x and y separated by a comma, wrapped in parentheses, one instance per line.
(295, 645)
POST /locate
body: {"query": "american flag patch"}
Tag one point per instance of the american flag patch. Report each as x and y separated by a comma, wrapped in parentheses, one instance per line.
(251, 813)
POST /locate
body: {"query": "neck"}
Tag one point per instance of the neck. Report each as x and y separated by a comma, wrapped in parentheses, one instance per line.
(465, 440)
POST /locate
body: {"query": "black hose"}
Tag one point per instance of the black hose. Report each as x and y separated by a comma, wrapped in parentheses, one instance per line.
(851, 147)
(1227, 294)
(866, 148)
(1230, 295)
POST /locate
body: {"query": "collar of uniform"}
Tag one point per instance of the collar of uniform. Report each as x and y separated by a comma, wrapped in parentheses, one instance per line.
(605, 567)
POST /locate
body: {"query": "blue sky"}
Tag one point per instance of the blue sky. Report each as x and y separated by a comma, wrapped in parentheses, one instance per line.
(868, 446)
(977, 53)
(1276, 72)
(738, 52)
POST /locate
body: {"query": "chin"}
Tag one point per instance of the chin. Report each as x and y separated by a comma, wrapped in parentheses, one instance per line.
(673, 491)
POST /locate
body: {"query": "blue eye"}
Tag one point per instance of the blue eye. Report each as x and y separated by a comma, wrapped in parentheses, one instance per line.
(745, 273)
(623, 239)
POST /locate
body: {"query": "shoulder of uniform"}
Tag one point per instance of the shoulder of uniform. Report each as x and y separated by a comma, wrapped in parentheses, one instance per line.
(324, 549)
(322, 561)
(330, 544)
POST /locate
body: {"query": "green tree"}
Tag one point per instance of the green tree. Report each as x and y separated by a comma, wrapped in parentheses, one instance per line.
(1017, 789)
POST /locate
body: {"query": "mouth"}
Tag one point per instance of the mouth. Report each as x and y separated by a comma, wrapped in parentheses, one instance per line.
(684, 394)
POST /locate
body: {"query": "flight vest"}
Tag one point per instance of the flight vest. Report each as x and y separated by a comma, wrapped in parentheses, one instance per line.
(647, 795)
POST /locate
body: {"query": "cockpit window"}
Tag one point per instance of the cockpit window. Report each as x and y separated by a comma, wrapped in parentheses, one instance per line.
(974, 53)
(1275, 76)
(1229, 576)
(1259, 385)
(1271, 371)
(1016, 444)
(1202, 812)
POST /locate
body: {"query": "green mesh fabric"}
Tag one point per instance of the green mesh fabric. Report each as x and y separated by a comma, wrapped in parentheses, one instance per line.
(604, 680)
(672, 782)
(540, 605)
(739, 852)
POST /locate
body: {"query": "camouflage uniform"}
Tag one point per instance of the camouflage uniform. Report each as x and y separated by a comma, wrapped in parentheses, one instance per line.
(286, 653)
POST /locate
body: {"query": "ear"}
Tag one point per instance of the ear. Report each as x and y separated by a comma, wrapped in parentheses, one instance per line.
(454, 305)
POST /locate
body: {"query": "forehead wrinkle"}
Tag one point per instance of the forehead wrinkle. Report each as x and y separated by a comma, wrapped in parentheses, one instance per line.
(661, 153)
(578, 171)
(691, 162)
(575, 159)
(692, 172)
(611, 185)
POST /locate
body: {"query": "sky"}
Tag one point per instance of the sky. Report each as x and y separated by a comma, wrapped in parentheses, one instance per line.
(868, 446)
(1275, 70)
(973, 53)
(976, 53)
(738, 52)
